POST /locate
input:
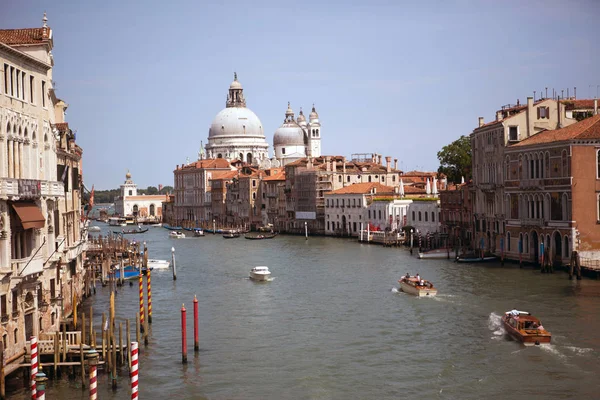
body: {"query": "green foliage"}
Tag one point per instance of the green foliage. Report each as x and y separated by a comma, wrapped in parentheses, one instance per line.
(455, 159)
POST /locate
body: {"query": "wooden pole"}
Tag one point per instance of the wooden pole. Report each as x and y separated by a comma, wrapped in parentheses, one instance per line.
(92, 333)
(196, 340)
(137, 328)
(2, 381)
(83, 327)
(114, 362)
(121, 355)
(64, 341)
(56, 354)
(103, 336)
(128, 341)
(83, 377)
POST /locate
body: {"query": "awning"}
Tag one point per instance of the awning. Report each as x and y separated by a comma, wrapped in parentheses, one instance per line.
(30, 215)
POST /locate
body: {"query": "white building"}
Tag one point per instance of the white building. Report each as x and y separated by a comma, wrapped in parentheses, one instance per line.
(296, 139)
(424, 215)
(129, 203)
(389, 214)
(236, 132)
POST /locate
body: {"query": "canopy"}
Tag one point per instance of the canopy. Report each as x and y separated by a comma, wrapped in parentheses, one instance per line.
(30, 215)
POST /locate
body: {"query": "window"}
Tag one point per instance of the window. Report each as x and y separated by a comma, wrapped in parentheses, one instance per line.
(14, 301)
(253, 182)
(348, 178)
(3, 307)
(254, 196)
(543, 112)
(419, 215)
(513, 133)
(426, 216)
(328, 227)
(432, 216)
(340, 178)
(52, 288)
(131, 192)
(283, 150)
(43, 94)
(6, 75)
(31, 86)
(379, 214)
(413, 215)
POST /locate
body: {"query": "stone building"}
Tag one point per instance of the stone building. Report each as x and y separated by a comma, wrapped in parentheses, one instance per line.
(551, 194)
(143, 208)
(236, 132)
(271, 198)
(40, 188)
(456, 214)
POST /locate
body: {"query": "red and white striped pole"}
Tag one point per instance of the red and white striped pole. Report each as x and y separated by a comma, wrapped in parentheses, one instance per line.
(34, 366)
(93, 363)
(134, 370)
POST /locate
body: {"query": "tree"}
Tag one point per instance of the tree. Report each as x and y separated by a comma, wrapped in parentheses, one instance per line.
(151, 190)
(166, 189)
(455, 159)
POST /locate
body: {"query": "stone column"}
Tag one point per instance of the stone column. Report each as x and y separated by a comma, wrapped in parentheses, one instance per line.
(10, 163)
(20, 161)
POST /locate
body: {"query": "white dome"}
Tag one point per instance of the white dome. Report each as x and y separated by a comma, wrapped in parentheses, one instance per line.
(289, 134)
(236, 121)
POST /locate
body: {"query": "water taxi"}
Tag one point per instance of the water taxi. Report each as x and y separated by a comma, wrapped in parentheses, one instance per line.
(524, 327)
(117, 221)
(176, 235)
(416, 286)
(231, 235)
(260, 273)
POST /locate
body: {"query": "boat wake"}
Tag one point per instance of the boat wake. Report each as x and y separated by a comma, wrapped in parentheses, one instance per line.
(395, 290)
(495, 325)
(579, 351)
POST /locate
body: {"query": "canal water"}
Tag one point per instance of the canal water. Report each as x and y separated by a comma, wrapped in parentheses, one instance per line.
(332, 325)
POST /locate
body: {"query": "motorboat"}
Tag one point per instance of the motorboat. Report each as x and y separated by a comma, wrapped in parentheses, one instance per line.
(117, 221)
(524, 327)
(416, 286)
(231, 235)
(158, 264)
(176, 235)
(260, 273)
(198, 232)
(436, 253)
(94, 229)
(129, 272)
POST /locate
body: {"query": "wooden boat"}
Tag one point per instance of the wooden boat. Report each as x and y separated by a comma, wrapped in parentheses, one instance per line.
(475, 259)
(231, 235)
(524, 327)
(177, 235)
(132, 231)
(420, 288)
(437, 254)
(198, 232)
(260, 273)
(260, 236)
(172, 228)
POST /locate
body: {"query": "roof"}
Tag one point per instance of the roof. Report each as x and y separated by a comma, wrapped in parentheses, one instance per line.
(217, 175)
(159, 197)
(582, 104)
(24, 36)
(352, 167)
(589, 128)
(278, 176)
(364, 188)
(208, 163)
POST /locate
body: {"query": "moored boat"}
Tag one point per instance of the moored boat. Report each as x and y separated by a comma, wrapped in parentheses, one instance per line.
(158, 264)
(231, 235)
(176, 235)
(172, 228)
(260, 273)
(416, 286)
(129, 272)
(475, 259)
(94, 229)
(117, 221)
(437, 254)
(524, 327)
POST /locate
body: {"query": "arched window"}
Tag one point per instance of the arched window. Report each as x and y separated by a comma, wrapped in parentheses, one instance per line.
(413, 215)
(152, 209)
(526, 246)
(425, 216)
(419, 215)
(369, 178)
(219, 155)
(135, 209)
(339, 178)
(432, 216)
(249, 158)
(348, 178)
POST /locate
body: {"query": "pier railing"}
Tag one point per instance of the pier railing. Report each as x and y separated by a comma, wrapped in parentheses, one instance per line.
(589, 263)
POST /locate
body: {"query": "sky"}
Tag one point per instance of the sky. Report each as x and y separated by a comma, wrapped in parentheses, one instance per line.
(144, 79)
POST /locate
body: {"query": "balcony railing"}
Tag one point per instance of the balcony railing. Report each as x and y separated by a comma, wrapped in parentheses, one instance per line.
(30, 188)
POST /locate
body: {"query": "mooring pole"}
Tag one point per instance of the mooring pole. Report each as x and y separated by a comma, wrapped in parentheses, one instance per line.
(306, 230)
(34, 366)
(134, 371)
(93, 363)
(40, 380)
(196, 341)
(149, 288)
(173, 262)
(183, 336)
(141, 288)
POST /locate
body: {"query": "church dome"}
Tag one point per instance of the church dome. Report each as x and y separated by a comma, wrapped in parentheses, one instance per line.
(235, 121)
(289, 133)
(313, 115)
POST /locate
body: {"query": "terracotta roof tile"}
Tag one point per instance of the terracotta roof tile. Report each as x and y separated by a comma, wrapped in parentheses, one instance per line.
(24, 36)
(582, 104)
(364, 188)
(218, 175)
(279, 176)
(589, 128)
(209, 163)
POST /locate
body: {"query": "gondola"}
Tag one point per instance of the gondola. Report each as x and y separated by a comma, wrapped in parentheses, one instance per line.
(261, 236)
(131, 231)
(172, 228)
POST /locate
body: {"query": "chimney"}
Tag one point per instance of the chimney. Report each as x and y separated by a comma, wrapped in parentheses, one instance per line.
(499, 115)
(373, 158)
(344, 165)
(328, 163)
(561, 112)
(333, 165)
(395, 163)
(379, 160)
(388, 163)
(309, 163)
(530, 116)
(481, 122)
(595, 106)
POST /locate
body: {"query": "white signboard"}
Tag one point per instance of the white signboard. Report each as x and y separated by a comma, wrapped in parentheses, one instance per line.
(306, 215)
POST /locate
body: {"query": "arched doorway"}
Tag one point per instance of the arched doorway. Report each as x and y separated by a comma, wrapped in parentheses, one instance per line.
(535, 246)
(557, 251)
(135, 210)
(152, 209)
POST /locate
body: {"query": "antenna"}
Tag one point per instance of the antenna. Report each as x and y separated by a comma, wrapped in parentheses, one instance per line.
(534, 95)
(546, 96)
(567, 93)
(575, 92)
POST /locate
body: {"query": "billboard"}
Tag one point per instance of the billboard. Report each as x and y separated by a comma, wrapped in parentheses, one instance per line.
(306, 215)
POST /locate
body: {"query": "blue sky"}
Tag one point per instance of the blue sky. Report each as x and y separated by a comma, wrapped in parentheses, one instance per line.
(144, 79)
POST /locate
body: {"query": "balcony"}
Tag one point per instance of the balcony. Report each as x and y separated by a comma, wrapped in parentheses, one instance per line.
(24, 267)
(539, 222)
(487, 187)
(30, 188)
(531, 184)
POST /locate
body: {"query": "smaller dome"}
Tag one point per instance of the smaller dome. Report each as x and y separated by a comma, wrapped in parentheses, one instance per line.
(128, 175)
(288, 135)
(313, 115)
(301, 118)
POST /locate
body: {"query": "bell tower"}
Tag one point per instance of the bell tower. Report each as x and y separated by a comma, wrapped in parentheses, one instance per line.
(314, 134)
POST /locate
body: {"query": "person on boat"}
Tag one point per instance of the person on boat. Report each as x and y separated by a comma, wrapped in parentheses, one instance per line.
(422, 282)
(407, 276)
(418, 277)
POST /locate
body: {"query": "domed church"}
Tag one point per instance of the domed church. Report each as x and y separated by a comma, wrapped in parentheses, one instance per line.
(236, 132)
(296, 138)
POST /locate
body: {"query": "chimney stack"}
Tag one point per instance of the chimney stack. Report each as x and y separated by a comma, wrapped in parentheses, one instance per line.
(499, 115)
(595, 106)
(333, 165)
(395, 163)
(481, 122)
(388, 163)
(373, 158)
(344, 165)
(328, 163)
(379, 161)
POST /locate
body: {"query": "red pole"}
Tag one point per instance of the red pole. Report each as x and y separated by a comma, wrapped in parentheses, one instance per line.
(183, 336)
(196, 341)
(34, 366)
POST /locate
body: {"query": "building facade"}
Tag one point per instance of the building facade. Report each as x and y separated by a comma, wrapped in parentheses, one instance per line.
(296, 138)
(146, 208)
